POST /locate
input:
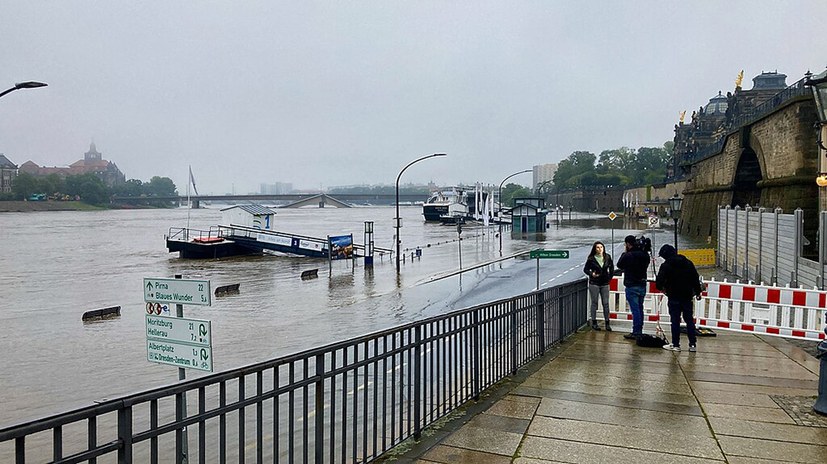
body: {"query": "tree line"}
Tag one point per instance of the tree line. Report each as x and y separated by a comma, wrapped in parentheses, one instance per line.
(621, 167)
(87, 188)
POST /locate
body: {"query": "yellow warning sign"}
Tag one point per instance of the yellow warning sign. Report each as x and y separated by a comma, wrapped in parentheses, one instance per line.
(701, 257)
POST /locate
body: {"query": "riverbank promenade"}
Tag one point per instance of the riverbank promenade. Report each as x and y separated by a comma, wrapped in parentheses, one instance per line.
(597, 398)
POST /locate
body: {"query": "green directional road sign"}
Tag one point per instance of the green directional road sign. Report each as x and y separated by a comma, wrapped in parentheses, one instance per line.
(549, 254)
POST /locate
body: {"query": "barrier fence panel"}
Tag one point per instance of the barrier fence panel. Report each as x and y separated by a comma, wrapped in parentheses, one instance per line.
(783, 311)
(349, 401)
(764, 246)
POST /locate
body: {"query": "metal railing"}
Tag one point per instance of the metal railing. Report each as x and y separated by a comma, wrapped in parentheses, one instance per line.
(349, 401)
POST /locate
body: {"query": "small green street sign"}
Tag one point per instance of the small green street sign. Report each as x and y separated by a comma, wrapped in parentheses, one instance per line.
(549, 254)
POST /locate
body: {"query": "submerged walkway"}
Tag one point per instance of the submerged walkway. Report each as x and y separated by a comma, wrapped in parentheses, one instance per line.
(599, 398)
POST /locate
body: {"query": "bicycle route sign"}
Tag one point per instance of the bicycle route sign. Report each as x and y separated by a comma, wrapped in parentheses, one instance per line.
(549, 254)
(179, 342)
(177, 291)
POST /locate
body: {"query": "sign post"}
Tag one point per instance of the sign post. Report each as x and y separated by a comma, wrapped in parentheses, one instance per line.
(654, 223)
(179, 292)
(546, 254)
(612, 217)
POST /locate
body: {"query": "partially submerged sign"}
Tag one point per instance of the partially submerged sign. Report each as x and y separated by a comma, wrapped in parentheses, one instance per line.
(310, 274)
(226, 289)
(104, 313)
(340, 246)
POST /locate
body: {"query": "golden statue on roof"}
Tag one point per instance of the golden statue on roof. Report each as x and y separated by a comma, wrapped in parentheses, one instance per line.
(683, 113)
(739, 79)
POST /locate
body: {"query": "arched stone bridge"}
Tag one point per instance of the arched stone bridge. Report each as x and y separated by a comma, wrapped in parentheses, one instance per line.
(769, 158)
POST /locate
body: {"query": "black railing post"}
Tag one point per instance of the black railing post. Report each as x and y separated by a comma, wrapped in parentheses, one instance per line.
(20, 450)
(475, 353)
(319, 440)
(541, 322)
(180, 415)
(125, 435)
(57, 443)
(417, 380)
(513, 311)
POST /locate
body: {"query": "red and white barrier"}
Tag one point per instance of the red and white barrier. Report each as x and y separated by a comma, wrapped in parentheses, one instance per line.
(781, 311)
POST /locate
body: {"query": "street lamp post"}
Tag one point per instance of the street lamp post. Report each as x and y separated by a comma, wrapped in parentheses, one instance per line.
(500, 208)
(675, 203)
(819, 86)
(398, 224)
(24, 85)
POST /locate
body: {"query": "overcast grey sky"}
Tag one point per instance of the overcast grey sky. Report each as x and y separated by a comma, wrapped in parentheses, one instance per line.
(331, 93)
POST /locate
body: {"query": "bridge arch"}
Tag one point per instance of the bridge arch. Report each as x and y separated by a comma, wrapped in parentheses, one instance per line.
(749, 171)
(321, 200)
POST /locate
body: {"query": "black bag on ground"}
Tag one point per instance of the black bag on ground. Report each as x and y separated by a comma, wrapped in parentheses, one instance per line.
(651, 341)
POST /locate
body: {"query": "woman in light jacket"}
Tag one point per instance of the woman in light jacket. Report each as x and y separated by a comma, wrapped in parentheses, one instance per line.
(600, 269)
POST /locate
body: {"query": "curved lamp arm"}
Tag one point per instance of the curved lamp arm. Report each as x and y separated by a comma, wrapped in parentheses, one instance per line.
(396, 226)
(500, 190)
(24, 85)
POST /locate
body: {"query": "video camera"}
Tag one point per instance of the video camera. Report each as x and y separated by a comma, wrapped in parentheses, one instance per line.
(643, 244)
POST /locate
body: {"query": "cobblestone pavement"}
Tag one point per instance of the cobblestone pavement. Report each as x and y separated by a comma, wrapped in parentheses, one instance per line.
(809, 346)
(800, 408)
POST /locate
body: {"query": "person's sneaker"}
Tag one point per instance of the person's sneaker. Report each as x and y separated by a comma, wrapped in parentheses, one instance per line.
(630, 336)
(672, 347)
(692, 349)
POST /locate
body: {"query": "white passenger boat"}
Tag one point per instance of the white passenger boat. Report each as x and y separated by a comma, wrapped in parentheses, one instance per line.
(446, 203)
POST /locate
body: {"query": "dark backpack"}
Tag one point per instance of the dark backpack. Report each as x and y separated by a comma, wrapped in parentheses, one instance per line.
(651, 341)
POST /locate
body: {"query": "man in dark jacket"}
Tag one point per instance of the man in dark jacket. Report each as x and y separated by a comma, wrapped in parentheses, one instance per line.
(679, 281)
(634, 262)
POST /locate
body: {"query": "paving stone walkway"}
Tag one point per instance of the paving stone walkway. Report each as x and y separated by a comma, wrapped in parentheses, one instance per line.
(599, 398)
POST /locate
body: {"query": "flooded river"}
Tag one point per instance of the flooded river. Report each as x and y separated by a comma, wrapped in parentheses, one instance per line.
(57, 265)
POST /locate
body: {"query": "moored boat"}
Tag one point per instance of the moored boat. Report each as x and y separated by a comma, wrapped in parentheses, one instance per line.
(449, 203)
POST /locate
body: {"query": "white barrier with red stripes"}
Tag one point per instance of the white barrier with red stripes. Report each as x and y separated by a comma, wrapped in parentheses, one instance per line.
(781, 311)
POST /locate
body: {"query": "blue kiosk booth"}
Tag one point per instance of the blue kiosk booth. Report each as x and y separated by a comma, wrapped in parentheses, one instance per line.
(528, 216)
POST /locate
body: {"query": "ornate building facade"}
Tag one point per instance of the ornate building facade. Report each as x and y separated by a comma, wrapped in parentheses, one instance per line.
(8, 171)
(705, 133)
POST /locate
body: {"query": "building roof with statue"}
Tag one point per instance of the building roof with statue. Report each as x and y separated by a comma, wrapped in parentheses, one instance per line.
(92, 163)
(723, 113)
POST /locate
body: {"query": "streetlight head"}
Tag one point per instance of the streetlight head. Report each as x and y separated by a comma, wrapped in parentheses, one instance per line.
(29, 85)
(675, 203)
(818, 84)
